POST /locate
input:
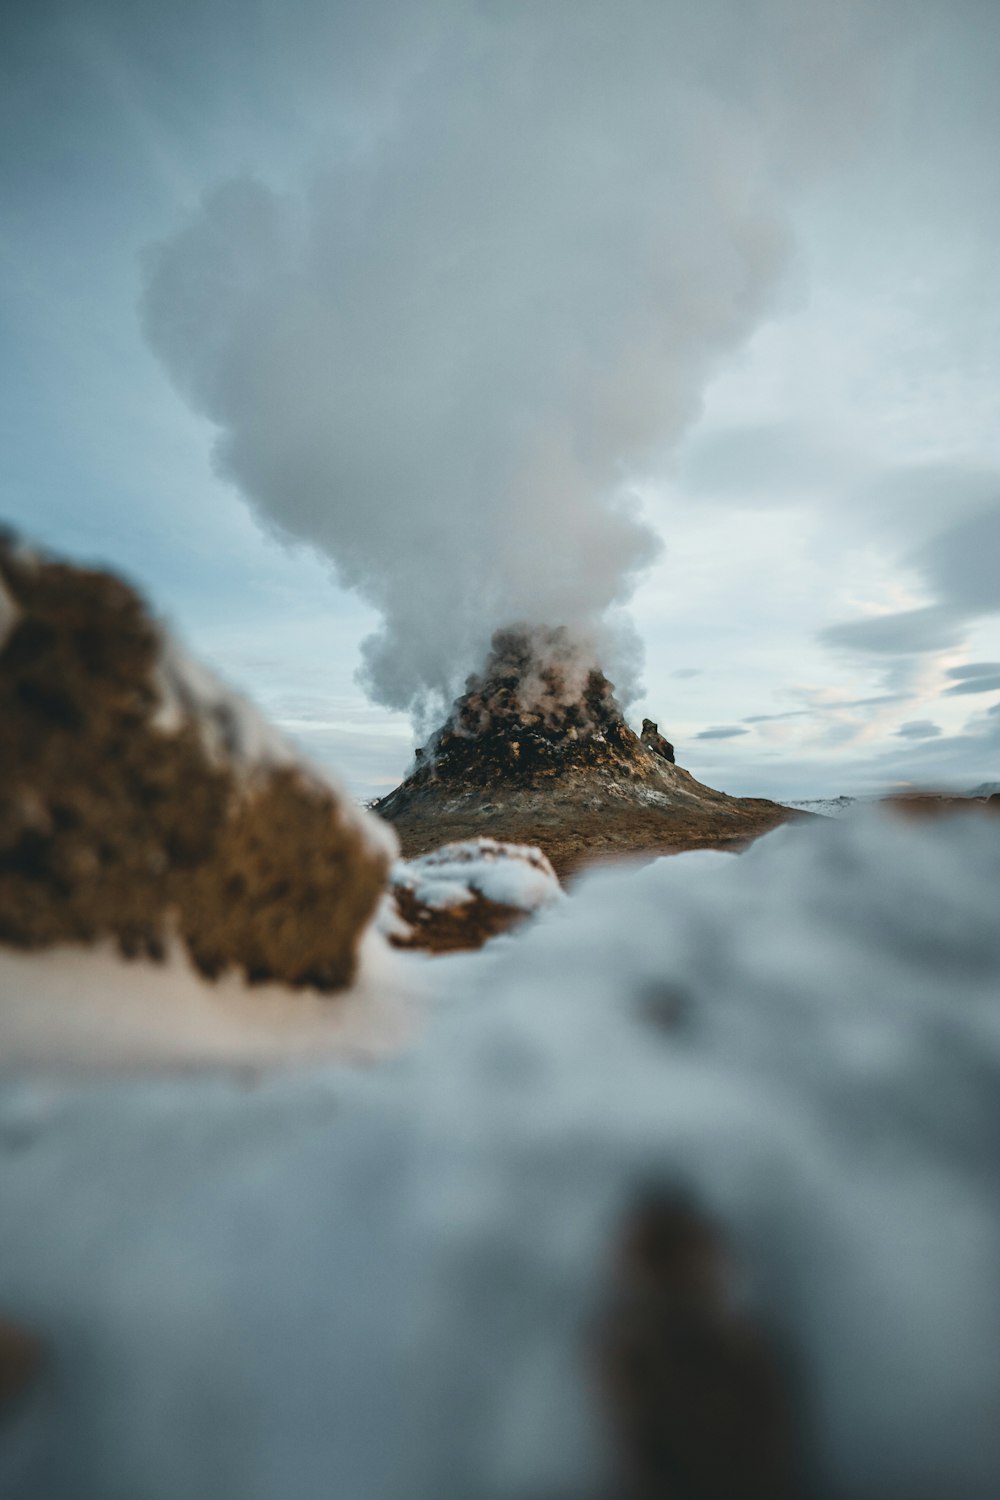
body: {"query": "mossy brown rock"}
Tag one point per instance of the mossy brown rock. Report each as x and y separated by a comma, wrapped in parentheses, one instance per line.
(535, 752)
(139, 799)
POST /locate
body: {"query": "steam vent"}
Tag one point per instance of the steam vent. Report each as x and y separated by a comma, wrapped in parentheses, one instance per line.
(537, 751)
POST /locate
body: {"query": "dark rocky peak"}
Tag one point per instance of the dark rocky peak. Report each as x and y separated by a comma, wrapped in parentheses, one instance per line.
(540, 704)
(654, 740)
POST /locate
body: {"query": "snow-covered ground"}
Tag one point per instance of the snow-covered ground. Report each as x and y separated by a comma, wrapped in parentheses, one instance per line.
(86, 1008)
(378, 1283)
(827, 807)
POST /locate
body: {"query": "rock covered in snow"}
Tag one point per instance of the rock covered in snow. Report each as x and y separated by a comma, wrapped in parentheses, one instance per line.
(463, 894)
(138, 796)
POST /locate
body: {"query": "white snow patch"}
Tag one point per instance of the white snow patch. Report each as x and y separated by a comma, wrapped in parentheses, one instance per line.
(235, 734)
(71, 1007)
(828, 807)
(231, 730)
(515, 875)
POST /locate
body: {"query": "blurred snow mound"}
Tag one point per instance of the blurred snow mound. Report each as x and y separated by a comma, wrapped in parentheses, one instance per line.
(384, 1285)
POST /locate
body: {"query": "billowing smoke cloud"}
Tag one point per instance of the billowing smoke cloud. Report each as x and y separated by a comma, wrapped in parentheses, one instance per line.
(445, 359)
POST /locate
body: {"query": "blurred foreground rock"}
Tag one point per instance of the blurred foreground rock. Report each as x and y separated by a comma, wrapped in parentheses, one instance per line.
(685, 1194)
(696, 1399)
(461, 895)
(20, 1360)
(139, 798)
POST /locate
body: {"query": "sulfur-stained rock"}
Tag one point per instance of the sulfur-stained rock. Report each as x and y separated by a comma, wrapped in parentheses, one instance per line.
(463, 894)
(139, 798)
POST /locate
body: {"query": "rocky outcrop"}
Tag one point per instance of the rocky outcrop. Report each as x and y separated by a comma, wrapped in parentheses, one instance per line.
(537, 751)
(139, 799)
(462, 895)
(654, 740)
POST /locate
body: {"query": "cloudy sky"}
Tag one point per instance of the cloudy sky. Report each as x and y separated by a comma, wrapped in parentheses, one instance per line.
(295, 306)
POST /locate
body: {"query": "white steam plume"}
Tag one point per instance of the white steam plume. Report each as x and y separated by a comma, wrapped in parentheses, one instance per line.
(445, 359)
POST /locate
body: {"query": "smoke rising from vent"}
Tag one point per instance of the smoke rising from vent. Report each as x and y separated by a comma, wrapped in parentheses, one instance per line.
(446, 357)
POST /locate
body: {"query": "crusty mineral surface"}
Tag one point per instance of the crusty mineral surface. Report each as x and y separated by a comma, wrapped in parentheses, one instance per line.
(139, 799)
(537, 751)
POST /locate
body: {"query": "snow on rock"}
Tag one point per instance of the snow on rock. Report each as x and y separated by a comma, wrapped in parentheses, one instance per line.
(231, 730)
(393, 1285)
(461, 895)
(77, 1010)
(138, 797)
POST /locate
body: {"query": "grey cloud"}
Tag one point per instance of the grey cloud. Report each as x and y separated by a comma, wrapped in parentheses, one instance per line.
(959, 761)
(793, 713)
(914, 498)
(914, 630)
(975, 669)
(687, 672)
(974, 685)
(962, 562)
(760, 465)
(722, 732)
(875, 701)
(959, 564)
(918, 729)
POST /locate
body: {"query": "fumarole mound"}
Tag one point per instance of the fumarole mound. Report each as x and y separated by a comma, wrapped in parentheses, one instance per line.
(537, 751)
